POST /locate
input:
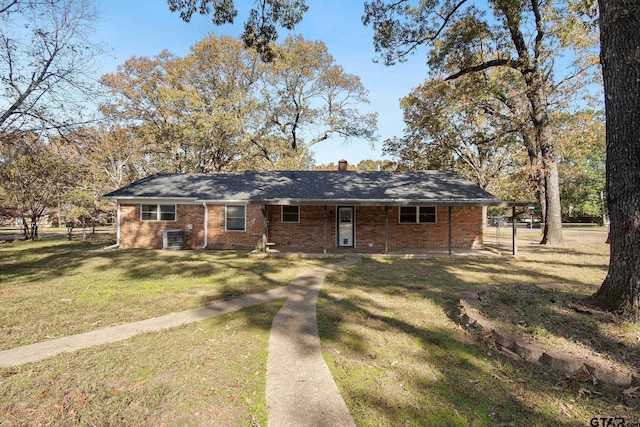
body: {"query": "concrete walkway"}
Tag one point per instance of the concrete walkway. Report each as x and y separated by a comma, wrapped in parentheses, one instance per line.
(38, 351)
(300, 388)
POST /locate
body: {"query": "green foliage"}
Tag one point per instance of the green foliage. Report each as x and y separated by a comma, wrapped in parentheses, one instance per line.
(34, 175)
(581, 149)
(462, 125)
(260, 28)
(377, 165)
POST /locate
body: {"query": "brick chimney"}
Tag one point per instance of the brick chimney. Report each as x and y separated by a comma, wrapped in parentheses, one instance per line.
(343, 165)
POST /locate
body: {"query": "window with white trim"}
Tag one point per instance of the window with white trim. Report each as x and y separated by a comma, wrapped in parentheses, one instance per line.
(158, 212)
(290, 213)
(235, 218)
(418, 215)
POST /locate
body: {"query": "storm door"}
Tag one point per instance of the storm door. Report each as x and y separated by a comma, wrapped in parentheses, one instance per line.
(345, 226)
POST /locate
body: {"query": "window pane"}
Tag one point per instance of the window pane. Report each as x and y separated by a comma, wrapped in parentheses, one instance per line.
(167, 212)
(408, 214)
(235, 211)
(235, 224)
(290, 213)
(235, 218)
(346, 216)
(149, 212)
(428, 214)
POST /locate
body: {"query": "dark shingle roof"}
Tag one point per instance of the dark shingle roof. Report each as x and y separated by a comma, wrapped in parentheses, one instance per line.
(311, 187)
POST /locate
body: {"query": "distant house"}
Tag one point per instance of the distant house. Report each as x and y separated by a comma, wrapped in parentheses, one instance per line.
(374, 211)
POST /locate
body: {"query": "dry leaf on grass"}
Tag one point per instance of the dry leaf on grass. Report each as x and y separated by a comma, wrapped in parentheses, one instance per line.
(632, 392)
(499, 378)
(583, 392)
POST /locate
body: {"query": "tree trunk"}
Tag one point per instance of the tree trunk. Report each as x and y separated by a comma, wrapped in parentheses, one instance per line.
(620, 38)
(552, 233)
(542, 197)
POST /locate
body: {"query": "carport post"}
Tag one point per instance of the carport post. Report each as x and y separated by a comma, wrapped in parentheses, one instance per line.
(386, 229)
(265, 229)
(324, 230)
(449, 230)
(514, 244)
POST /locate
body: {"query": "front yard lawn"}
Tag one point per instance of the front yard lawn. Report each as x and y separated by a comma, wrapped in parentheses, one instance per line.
(399, 358)
(386, 327)
(54, 288)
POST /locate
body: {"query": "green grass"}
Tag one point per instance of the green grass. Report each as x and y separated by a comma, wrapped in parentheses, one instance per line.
(209, 373)
(53, 288)
(386, 328)
(399, 358)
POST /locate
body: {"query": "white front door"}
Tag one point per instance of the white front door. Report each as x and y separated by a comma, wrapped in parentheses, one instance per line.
(345, 226)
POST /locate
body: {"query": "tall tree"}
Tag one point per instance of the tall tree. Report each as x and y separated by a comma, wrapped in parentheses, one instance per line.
(457, 125)
(465, 37)
(620, 38)
(192, 111)
(260, 28)
(221, 109)
(45, 56)
(307, 98)
(110, 155)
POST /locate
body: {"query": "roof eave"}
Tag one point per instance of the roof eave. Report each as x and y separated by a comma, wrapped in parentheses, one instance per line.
(393, 202)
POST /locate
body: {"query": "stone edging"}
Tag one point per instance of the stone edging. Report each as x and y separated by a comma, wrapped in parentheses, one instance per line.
(473, 321)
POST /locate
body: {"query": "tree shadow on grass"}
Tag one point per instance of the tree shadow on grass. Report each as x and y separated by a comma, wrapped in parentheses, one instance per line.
(555, 311)
(439, 281)
(38, 262)
(440, 381)
(442, 282)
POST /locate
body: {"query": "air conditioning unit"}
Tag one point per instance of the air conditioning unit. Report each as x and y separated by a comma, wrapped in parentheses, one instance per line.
(173, 239)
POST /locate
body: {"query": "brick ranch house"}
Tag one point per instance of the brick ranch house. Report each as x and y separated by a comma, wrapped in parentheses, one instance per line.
(316, 210)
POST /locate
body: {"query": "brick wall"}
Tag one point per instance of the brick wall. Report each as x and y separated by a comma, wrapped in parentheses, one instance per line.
(135, 233)
(309, 232)
(219, 238)
(466, 229)
(370, 228)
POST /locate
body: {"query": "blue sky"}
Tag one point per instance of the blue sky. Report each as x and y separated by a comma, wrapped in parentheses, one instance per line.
(146, 27)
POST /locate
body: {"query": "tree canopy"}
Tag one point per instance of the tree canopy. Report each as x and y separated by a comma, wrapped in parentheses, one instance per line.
(526, 37)
(221, 108)
(261, 25)
(457, 125)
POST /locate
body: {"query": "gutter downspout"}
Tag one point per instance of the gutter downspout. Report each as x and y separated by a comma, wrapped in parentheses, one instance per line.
(118, 225)
(206, 225)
